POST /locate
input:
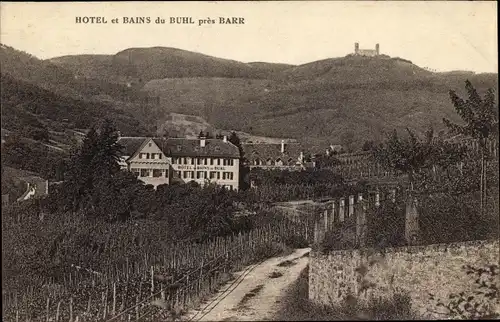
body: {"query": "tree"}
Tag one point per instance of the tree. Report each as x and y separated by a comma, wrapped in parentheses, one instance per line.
(244, 169)
(407, 155)
(481, 122)
(92, 168)
(412, 154)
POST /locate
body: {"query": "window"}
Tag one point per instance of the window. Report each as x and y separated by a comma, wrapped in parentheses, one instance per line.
(143, 155)
(144, 172)
(136, 172)
(174, 160)
(227, 175)
(147, 155)
(157, 173)
(218, 161)
(166, 173)
(257, 162)
(179, 174)
(192, 161)
(218, 175)
(213, 174)
(150, 144)
(200, 175)
(187, 175)
(211, 161)
(279, 162)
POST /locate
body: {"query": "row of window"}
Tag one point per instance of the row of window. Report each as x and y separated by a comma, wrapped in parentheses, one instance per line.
(205, 175)
(202, 161)
(154, 173)
(188, 160)
(154, 156)
(163, 173)
(271, 162)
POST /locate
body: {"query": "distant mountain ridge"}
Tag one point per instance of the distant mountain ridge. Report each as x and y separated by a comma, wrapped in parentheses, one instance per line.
(147, 64)
(343, 100)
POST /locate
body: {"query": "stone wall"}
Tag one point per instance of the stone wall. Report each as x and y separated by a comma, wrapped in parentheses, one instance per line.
(416, 271)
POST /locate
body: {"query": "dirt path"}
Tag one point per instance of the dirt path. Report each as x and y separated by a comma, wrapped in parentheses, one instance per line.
(256, 293)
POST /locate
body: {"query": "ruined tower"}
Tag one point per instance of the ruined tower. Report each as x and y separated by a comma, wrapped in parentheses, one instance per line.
(356, 48)
(377, 49)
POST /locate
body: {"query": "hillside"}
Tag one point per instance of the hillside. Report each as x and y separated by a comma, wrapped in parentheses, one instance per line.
(145, 64)
(342, 100)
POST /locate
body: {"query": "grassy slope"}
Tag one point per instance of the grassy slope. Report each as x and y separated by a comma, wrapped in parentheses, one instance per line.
(146, 64)
(343, 100)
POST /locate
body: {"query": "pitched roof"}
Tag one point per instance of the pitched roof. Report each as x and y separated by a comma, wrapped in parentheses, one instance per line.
(264, 152)
(183, 147)
(191, 147)
(130, 144)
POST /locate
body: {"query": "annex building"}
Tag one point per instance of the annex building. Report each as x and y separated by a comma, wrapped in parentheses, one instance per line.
(158, 161)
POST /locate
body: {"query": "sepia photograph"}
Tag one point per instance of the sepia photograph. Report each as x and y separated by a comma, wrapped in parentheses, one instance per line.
(249, 161)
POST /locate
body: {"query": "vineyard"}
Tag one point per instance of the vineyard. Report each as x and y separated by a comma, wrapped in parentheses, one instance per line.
(160, 286)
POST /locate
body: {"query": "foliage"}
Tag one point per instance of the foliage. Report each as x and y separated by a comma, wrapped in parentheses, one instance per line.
(342, 236)
(479, 114)
(23, 154)
(385, 224)
(369, 145)
(479, 303)
(327, 161)
(481, 123)
(285, 177)
(412, 155)
(89, 180)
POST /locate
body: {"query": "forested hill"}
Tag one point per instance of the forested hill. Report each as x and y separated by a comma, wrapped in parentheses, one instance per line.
(145, 64)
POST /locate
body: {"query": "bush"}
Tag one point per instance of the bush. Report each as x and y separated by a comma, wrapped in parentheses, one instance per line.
(296, 241)
(445, 218)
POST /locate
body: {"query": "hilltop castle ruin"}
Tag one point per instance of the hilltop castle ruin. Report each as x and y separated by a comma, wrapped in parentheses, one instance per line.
(366, 52)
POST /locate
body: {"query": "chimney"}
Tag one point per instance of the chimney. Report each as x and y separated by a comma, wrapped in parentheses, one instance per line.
(282, 146)
(119, 134)
(203, 141)
(327, 152)
(301, 157)
(224, 139)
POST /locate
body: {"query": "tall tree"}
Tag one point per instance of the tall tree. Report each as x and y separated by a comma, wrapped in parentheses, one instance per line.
(92, 166)
(481, 123)
(244, 169)
(406, 154)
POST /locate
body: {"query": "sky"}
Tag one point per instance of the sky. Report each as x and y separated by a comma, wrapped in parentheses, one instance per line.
(438, 35)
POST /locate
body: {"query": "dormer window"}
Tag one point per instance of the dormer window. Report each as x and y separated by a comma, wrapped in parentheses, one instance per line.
(179, 147)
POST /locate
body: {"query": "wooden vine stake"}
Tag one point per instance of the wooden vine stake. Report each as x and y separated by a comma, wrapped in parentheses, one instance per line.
(71, 309)
(58, 311)
(47, 309)
(114, 299)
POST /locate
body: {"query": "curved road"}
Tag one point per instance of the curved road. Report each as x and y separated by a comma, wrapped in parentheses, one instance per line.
(256, 293)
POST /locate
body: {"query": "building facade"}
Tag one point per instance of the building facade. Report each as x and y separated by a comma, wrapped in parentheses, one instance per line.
(159, 161)
(276, 156)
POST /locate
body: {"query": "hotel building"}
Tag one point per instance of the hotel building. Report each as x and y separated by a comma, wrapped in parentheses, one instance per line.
(159, 161)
